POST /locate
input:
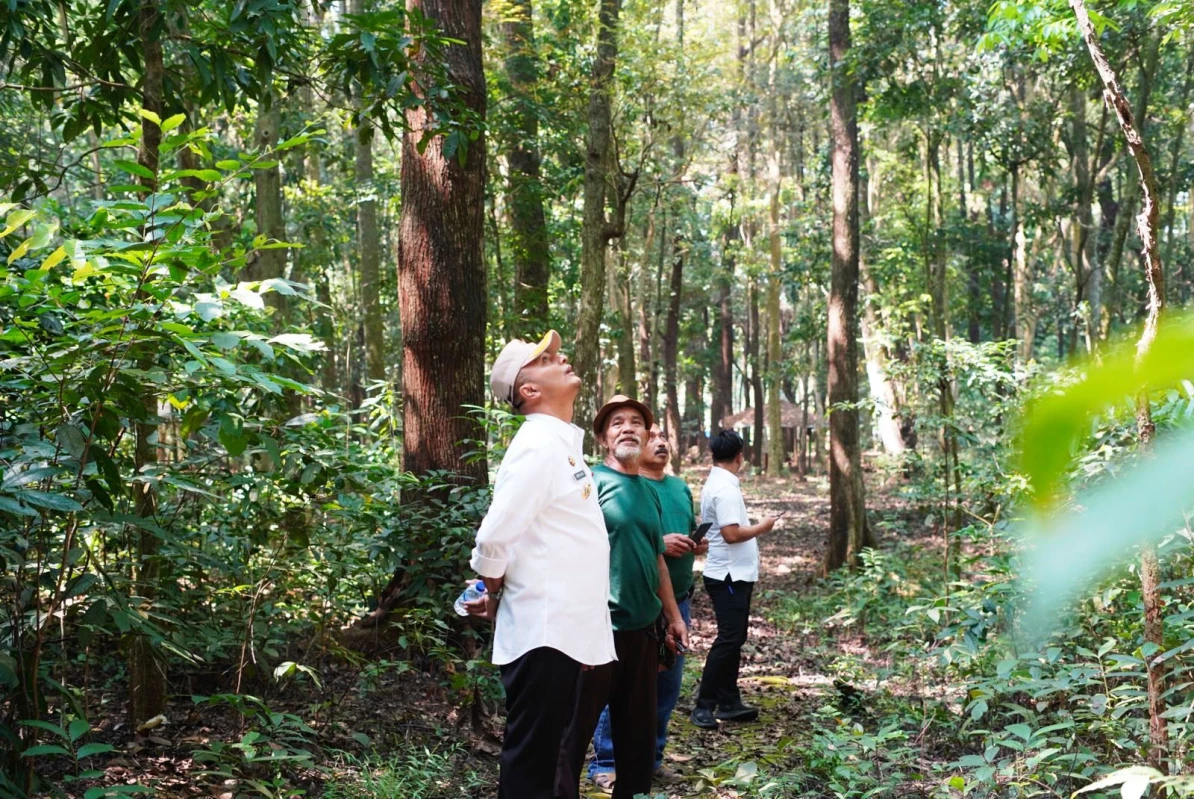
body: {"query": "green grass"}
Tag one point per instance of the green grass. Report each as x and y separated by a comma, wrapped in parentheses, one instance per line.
(420, 773)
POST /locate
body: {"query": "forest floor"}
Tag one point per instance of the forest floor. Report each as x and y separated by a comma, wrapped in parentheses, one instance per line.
(844, 711)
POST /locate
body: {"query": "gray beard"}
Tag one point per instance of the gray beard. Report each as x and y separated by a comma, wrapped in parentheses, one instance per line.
(627, 453)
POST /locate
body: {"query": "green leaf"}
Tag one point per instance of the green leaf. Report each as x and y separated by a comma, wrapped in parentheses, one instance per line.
(145, 113)
(173, 122)
(44, 499)
(10, 505)
(77, 729)
(16, 219)
(87, 750)
(225, 341)
(45, 749)
(133, 168)
(54, 258)
(47, 726)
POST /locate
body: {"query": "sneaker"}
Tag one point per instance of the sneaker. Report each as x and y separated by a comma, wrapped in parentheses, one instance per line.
(703, 717)
(605, 781)
(737, 712)
(665, 774)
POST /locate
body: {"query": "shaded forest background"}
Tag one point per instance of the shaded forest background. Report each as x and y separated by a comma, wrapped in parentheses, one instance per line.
(259, 254)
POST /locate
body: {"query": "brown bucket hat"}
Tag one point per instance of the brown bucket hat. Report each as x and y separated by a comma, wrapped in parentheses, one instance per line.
(620, 401)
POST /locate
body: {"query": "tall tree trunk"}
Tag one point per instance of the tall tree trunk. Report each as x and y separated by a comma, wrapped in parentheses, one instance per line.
(775, 432)
(758, 424)
(848, 531)
(973, 293)
(524, 193)
(1127, 203)
(369, 245)
(441, 269)
(627, 376)
(1088, 275)
(267, 205)
(1025, 316)
(882, 391)
(723, 366)
(600, 181)
(671, 340)
(147, 668)
(1146, 225)
(646, 317)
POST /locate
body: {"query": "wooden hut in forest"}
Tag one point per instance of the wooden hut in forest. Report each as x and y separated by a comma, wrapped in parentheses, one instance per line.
(792, 420)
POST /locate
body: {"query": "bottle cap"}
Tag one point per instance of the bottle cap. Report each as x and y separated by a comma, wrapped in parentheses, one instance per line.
(480, 586)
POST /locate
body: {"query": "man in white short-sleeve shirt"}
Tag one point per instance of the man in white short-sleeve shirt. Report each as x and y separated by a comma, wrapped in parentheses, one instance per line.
(731, 571)
(543, 552)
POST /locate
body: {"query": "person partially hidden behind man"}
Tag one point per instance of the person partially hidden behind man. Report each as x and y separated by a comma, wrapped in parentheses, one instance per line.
(731, 571)
(640, 587)
(544, 554)
(678, 523)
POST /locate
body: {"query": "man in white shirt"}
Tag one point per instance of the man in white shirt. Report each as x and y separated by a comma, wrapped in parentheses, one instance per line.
(731, 571)
(552, 617)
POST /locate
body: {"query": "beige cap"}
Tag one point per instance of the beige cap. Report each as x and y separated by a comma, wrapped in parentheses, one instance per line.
(515, 355)
(620, 401)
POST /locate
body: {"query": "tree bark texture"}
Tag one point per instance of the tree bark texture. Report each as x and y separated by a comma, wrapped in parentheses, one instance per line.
(441, 270)
(671, 341)
(601, 185)
(775, 433)
(1146, 225)
(147, 668)
(847, 516)
(369, 254)
(524, 192)
(267, 206)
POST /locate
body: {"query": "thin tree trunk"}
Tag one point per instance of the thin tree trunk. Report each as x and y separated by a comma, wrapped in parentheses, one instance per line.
(775, 433)
(646, 319)
(882, 391)
(671, 340)
(723, 366)
(848, 531)
(524, 194)
(756, 376)
(1025, 316)
(267, 205)
(627, 376)
(369, 245)
(1127, 203)
(1088, 275)
(1146, 225)
(147, 668)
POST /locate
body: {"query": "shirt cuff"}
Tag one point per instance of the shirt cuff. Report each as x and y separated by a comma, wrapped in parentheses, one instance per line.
(492, 568)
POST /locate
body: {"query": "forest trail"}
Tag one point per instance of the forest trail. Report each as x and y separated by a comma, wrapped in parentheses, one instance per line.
(786, 669)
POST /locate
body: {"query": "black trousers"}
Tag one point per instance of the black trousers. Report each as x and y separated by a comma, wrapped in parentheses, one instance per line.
(731, 606)
(628, 687)
(540, 694)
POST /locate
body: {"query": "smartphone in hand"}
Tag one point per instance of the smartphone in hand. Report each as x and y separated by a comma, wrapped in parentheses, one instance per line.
(699, 535)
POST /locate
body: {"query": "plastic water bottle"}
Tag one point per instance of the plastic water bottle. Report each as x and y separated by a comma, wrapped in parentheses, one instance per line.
(474, 591)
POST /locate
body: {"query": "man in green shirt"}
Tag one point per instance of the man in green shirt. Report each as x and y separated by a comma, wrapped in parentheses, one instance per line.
(679, 521)
(640, 587)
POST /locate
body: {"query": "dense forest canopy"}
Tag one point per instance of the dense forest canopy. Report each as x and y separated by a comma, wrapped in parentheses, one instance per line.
(930, 258)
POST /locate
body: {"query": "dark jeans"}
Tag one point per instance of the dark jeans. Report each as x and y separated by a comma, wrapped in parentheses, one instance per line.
(628, 687)
(731, 606)
(667, 693)
(540, 694)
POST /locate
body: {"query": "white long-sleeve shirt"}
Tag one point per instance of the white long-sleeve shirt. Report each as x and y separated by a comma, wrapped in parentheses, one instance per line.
(545, 534)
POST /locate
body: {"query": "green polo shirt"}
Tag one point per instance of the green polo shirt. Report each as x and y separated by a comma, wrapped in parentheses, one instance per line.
(633, 520)
(675, 499)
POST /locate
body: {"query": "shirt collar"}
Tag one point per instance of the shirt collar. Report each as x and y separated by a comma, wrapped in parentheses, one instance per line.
(724, 474)
(571, 434)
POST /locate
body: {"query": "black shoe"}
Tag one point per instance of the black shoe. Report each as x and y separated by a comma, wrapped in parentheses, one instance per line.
(703, 717)
(737, 712)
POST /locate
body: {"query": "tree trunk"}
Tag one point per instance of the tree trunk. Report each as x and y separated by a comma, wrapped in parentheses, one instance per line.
(848, 532)
(671, 339)
(1025, 318)
(882, 391)
(267, 206)
(723, 367)
(369, 246)
(1146, 225)
(441, 269)
(1127, 203)
(524, 192)
(627, 376)
(646, 318)
(596, 229)
(1088, 276)
(775, 433)
(147, 669)
(756, 376)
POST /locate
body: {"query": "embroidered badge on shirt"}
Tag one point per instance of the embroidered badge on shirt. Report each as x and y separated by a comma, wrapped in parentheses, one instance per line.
(587, 490)
(579, 476)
